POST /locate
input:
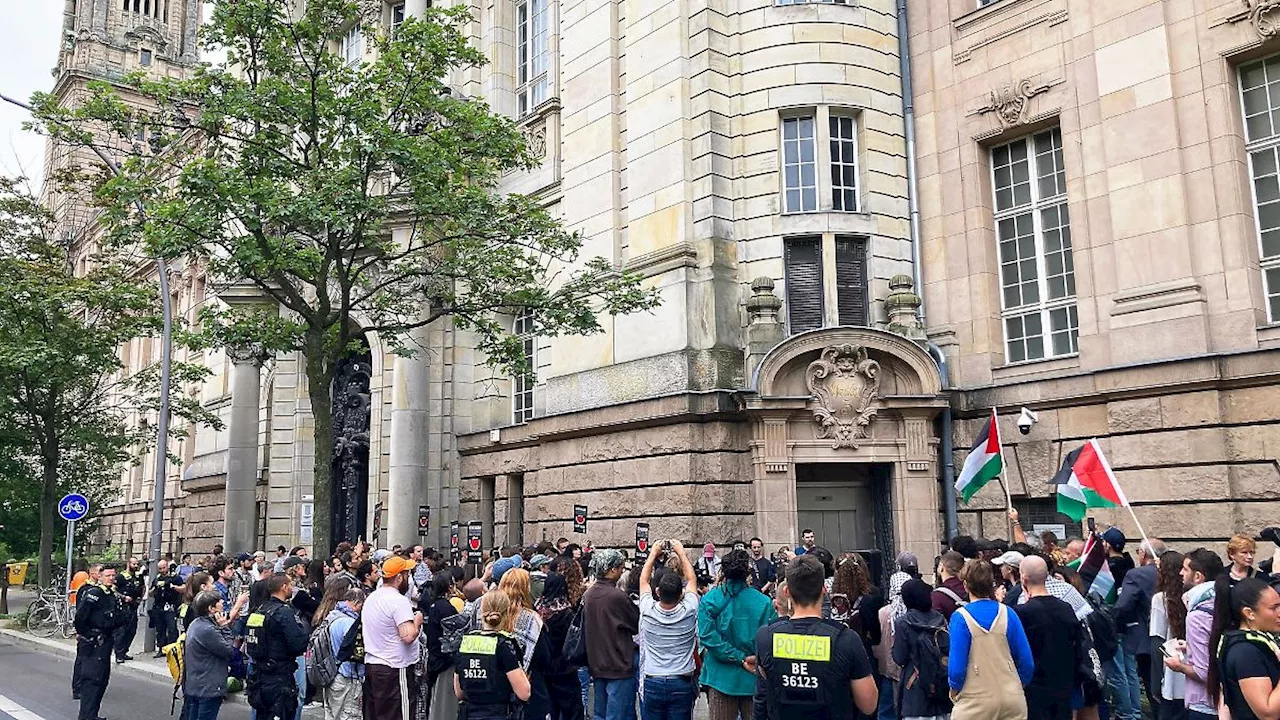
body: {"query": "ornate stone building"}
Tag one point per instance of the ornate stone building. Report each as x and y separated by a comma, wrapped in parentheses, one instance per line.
(1099, 224)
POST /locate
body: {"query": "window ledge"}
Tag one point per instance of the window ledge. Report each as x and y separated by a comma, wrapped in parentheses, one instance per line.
(1032, 369)
(1269, 335)
(998, 7)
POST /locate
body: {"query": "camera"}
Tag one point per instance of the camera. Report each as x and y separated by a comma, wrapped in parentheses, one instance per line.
(1026, 419)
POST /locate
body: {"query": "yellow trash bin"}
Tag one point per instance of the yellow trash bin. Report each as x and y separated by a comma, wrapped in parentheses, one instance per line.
(18, 573)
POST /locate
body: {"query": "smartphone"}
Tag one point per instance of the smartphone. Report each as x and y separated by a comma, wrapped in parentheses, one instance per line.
(1093, 525)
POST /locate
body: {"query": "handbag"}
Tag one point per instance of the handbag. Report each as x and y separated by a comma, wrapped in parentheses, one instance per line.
(575, 639)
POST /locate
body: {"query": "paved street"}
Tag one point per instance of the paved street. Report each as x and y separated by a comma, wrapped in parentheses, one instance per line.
(36, 686)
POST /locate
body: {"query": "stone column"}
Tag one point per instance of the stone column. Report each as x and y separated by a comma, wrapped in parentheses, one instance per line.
(407, 482)
(242, 450)
(415, 8)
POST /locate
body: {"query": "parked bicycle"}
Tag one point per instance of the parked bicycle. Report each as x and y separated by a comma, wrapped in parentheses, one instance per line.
(51, 613)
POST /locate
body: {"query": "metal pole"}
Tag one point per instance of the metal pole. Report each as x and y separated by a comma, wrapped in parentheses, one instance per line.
(166, 361)
(71, 533)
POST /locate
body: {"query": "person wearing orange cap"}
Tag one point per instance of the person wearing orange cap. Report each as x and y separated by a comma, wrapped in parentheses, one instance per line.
(390, 627)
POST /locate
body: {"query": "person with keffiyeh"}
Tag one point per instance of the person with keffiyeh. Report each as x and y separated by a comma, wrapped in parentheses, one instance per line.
(529, 627)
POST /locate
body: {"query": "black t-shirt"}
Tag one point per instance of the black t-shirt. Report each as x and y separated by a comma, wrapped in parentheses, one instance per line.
(816, 671)
(1246, 658)
(483, 663)
(765, 573)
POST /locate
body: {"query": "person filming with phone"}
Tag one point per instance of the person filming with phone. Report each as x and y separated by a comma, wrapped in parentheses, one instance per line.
(668, 632)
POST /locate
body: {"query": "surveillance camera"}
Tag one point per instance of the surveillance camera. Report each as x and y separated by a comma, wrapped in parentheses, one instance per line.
(1026, 419)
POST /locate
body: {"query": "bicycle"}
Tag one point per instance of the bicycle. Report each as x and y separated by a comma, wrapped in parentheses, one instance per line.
(49, 613)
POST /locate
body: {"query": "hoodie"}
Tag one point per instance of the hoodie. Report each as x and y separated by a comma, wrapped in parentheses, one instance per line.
(1199, 601)
(913, 701)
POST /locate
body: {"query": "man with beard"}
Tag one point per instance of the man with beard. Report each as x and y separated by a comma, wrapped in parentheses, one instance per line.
(130, 586)
(275, 640)
(390, 628)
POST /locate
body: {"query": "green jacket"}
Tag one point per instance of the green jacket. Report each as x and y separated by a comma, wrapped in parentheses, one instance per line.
(728, 618)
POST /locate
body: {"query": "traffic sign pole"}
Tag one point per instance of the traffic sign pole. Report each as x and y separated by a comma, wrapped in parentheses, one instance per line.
(72, 507)
(71, 533)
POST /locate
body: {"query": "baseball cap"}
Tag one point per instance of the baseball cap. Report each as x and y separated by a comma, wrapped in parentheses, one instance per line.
(709, 550)
(501, 567)
(908, 560)
(396, 565)
(1013, 558)
(538, 561)
(1115, 537)
(293, 561)
(381, 554)
(243, 556)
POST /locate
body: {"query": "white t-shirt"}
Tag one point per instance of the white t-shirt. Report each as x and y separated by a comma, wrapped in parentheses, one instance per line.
(1175, 683)
(668, 636)
(380, 619)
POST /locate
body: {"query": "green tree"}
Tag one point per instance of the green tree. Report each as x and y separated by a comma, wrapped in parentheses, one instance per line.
(359, 197)
(65, 408)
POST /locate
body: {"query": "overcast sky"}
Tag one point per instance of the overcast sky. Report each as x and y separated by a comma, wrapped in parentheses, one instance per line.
(28, 52)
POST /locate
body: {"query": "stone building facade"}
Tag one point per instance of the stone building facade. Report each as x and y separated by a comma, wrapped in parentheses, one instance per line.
(1096, 189)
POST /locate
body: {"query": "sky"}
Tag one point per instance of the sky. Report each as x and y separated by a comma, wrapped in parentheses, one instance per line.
(28, 52)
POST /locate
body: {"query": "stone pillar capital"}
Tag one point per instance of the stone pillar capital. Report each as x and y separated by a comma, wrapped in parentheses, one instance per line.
(253, 354)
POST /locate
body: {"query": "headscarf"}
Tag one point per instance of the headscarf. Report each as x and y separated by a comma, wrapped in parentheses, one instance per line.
(528, 628)
(896, 607)
(555, 596)
(602, 561)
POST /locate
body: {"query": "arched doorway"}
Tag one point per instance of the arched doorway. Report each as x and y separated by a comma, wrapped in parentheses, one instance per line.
(843, 442)
(351, 420)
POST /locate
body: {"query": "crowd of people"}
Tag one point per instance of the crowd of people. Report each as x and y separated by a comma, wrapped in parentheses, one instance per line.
(1028, 629)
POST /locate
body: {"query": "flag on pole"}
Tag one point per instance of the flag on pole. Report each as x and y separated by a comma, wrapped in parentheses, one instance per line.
(1095, 571)
(1086, 481)
(984, 462)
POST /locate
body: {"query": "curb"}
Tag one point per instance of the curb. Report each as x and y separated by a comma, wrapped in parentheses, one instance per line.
(133, 668)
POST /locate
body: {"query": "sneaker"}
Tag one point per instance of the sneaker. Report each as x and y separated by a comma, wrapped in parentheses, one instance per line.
(75, 696)
(124, 658)
(158, 654)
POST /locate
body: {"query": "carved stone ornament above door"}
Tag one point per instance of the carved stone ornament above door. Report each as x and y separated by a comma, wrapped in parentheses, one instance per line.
(1010, 102)
(845, 385)
(1265, 16)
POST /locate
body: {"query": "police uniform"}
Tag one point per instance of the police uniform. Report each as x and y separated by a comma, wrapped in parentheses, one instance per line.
(807, 665)
(483, 661)
(130, 584)
(274, 640)
(97, 618)
(77, 668)
(165, 599)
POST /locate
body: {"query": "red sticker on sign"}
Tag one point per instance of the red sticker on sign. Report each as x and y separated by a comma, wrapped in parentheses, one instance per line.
(474, 543)
(642, 545)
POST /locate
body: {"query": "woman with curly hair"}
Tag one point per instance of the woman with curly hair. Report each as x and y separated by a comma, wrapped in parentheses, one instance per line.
(1169, 622)
(563, 685)
(728, 617)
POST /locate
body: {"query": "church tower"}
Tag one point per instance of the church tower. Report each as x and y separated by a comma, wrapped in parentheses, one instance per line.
(105, 40)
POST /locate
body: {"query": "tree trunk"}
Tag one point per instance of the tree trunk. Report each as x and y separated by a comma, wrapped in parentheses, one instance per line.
(320, 391)
(48, 510)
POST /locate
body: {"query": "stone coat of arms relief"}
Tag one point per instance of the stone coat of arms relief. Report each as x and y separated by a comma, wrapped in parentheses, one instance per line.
(845, 385)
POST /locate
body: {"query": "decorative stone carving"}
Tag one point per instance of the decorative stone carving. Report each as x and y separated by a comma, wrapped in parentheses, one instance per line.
(1010, 102)
(535, 136)
(845, 385)
(1265, 16)
(902, 304)
(763, 305)
(254, 353)
(350, 467)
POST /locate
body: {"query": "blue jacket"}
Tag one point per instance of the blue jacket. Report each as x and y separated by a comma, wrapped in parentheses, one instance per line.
(341, 619)
(206, 657)
(984, 613)
(1133, 609)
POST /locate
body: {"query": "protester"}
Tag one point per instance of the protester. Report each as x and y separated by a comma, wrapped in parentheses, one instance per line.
(186, 568)
(1169, 630)
(440, 668)
(1057, 643)
(1133, 623)
(197, 582)
(808, 541)
(887, 670)
(1199, 569)
(729, 617)
(798, 684)
(708, 567)
(528, 629)
(920, 646)
(950, 593)
(1007, 565)
(1240, 553)
(557, 610)
(342, 698)
(765, 575)
(668, 632)
(206, 658)
(490, 662)
(989, 659)
(855, 601)
(611, 622)
(1245, 674)
(390, 628)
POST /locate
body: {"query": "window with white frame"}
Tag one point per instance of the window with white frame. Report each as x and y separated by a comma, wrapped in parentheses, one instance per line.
(353, 46)
(820, 161)
(397, 17)
(1033, 235)
(532, 55)
(1260, 95)
(523, 384)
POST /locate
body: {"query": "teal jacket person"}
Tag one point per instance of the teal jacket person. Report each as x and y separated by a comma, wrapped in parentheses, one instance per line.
(728, 618)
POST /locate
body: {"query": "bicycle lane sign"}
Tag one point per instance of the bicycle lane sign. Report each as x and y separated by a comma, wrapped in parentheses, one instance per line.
(73, 507)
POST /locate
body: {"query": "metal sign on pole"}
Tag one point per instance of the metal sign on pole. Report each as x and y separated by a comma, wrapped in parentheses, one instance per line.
(580, 519)
(72, 507)
(642, 541)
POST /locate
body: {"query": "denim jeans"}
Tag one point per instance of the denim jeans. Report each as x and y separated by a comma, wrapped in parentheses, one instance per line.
(201, 708)
(886, 710)
(669, 698)
(615, 699)
(584, 677)
(1123, 685)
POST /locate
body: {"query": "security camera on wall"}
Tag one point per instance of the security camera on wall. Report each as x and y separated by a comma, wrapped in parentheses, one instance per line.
(1026, 419)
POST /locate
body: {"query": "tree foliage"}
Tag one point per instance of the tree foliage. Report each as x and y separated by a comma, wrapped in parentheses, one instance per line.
(360, 198)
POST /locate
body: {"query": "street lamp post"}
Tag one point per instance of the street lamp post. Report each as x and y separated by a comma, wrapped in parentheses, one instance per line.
(166, 361)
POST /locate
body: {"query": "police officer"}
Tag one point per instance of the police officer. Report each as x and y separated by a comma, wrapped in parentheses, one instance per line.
(97, 619)
(812, 668)
(489, 676)
(77, 668)
(275, 640)
(130, 587)
(164, 609)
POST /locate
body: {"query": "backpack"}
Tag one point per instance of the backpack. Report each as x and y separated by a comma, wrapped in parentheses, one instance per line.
(454, 627)
(321, 663)
(959, 601)
(932, 645)
(174, 657)
(352, 647)
(1102, 628)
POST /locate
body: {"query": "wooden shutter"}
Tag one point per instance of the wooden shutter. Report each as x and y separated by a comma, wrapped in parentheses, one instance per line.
(851, 280)
(804, 283)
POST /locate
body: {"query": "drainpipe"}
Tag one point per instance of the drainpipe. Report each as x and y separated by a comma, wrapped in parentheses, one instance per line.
(945, 448)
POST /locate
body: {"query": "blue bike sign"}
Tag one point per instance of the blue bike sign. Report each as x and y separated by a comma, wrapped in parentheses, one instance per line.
(73, 507)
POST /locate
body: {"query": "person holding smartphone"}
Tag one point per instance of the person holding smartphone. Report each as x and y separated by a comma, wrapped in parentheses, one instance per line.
(207, 655)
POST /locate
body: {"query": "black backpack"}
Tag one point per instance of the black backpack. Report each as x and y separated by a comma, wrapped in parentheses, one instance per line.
(352, 647)
(1102, 627)
(454, 627)
(932, 645)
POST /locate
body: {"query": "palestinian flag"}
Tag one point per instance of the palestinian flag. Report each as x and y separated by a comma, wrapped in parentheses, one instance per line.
(984, 462)
(1086, 481)
(1095, 571)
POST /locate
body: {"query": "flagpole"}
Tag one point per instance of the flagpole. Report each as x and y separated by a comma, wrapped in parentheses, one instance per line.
(1124, 499)
(1004, 475)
